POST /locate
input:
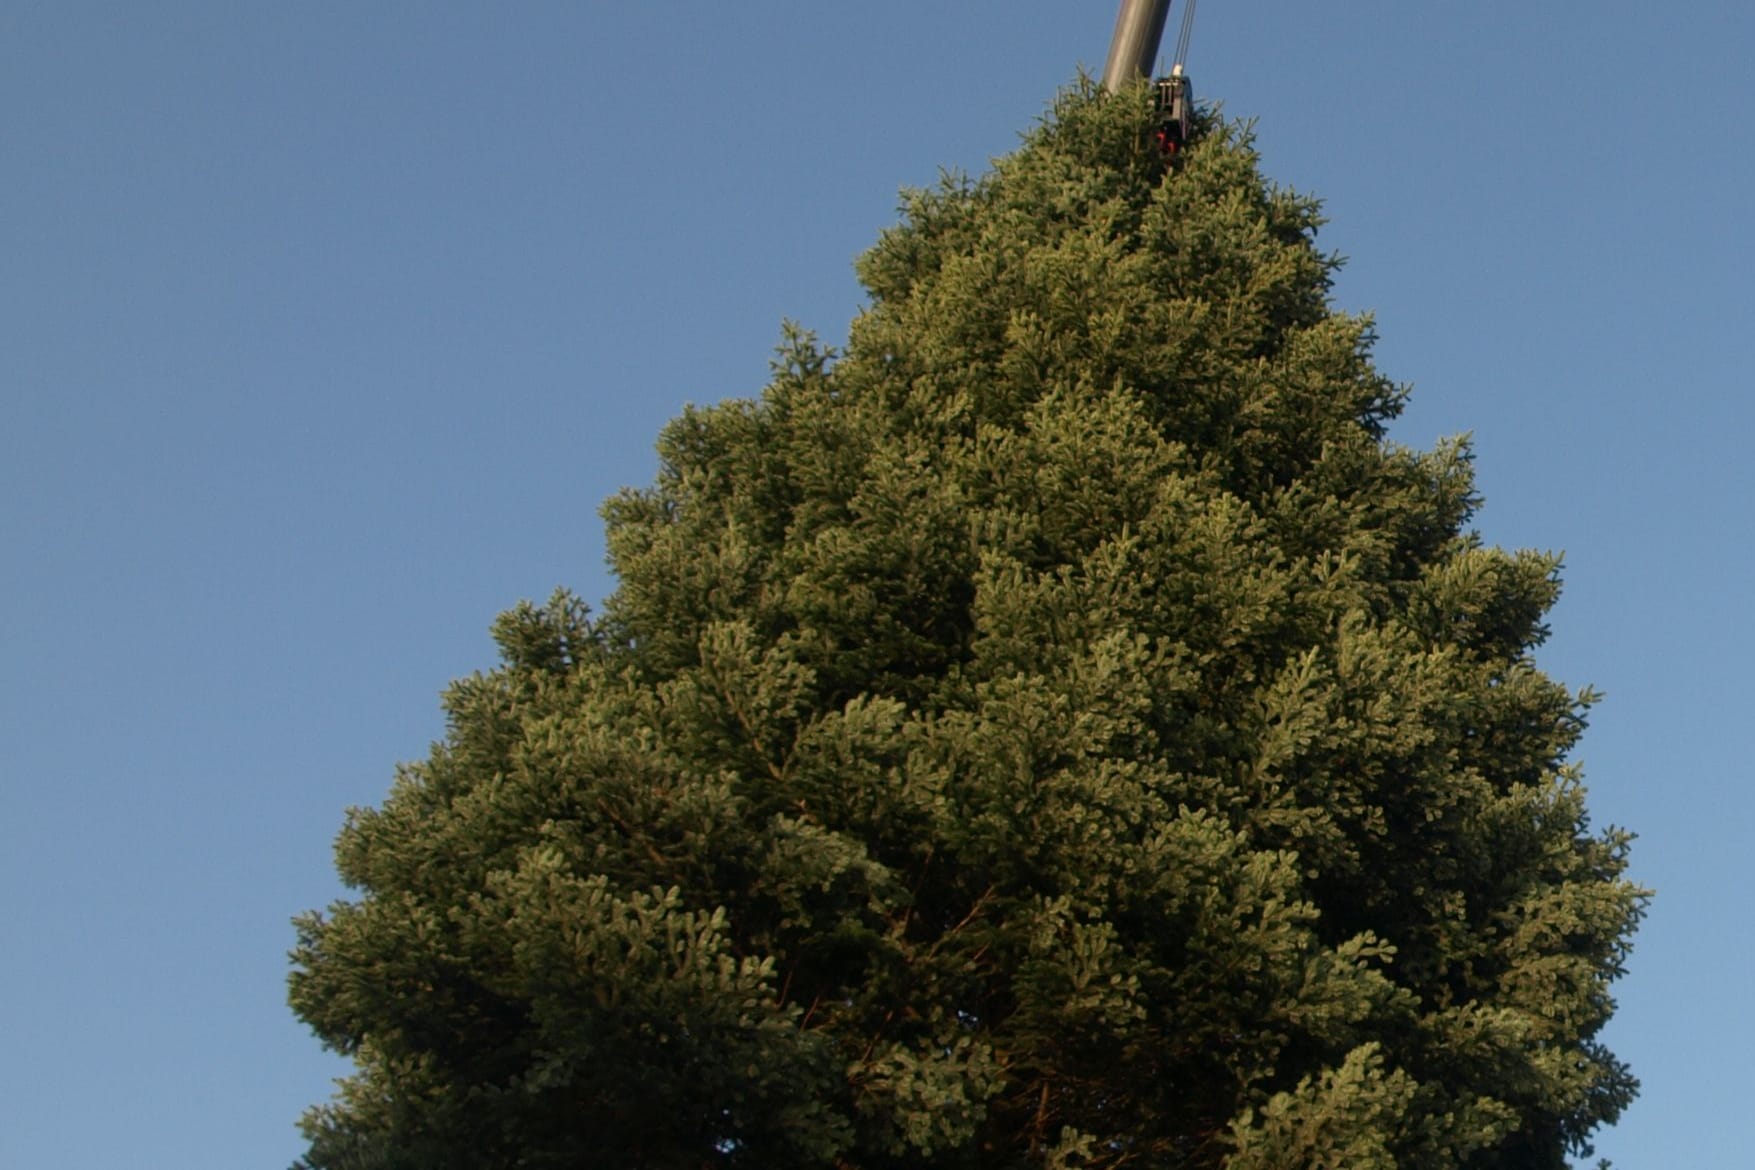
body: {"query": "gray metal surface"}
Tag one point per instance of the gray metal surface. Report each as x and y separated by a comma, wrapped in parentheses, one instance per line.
(1139, 27)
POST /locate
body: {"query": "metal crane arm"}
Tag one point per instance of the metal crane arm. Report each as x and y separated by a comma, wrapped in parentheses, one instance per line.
(1139, 28)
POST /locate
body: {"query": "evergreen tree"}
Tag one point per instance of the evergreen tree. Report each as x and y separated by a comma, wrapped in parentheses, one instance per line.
(1059, 729)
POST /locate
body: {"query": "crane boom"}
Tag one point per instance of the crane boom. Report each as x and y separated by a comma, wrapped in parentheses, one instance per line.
(1139, 28)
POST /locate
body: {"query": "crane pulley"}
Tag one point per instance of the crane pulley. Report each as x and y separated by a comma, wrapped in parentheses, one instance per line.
(1173, 109)
(1139, 29)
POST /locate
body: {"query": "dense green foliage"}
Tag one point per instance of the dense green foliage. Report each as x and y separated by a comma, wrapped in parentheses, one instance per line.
(1057, 730)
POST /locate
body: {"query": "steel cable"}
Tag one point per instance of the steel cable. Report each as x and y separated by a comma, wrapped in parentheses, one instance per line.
(1187, 30)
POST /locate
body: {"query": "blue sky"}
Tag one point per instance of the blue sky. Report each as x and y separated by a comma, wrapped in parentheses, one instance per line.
(325, 328)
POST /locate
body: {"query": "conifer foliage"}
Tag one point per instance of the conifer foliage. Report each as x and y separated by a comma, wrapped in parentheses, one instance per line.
(1056, 730)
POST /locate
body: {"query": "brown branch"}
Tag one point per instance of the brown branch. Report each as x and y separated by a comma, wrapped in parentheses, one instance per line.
(974, 912)
(914, 894)
(888, 1016)
(787, 985)
(633, 834)
(749, 730)
(1040, 1125)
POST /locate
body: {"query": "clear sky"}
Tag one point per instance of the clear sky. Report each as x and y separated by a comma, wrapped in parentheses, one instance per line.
(325, 328)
